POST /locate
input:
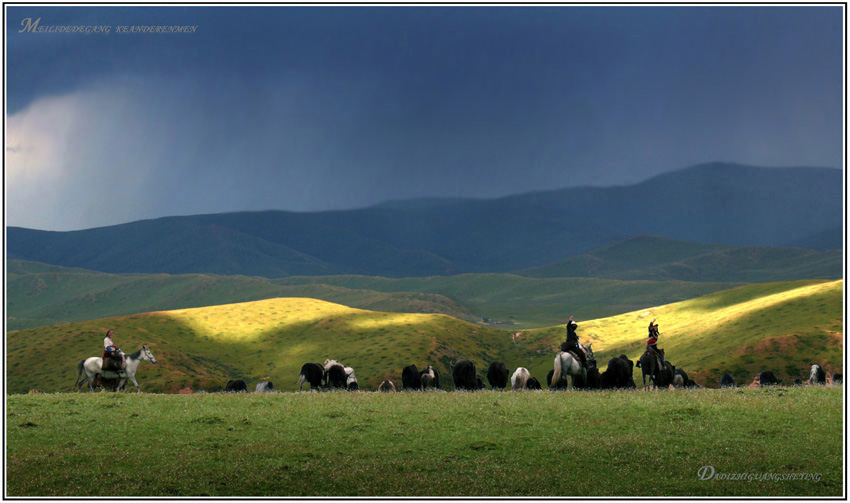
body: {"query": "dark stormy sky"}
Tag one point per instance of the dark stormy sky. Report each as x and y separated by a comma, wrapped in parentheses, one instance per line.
(316, 108)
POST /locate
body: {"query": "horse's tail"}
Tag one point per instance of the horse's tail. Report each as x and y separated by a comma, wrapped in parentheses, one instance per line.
(79, 372)
(557, 375)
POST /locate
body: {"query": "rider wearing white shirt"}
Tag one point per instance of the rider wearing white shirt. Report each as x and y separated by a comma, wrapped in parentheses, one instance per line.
(112, 353)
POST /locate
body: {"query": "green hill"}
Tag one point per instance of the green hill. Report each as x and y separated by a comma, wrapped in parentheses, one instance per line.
(267, 339)
(517, 302)
(784, 327)
(660, 259)
(40, 295)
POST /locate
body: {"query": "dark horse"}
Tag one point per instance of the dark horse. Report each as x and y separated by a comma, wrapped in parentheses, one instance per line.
(659, 377)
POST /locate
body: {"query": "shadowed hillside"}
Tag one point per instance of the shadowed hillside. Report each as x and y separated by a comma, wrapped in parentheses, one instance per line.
(715, 203)
(40, 295)
(660, 259)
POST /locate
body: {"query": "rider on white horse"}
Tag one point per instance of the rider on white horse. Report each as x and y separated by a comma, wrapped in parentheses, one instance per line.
(113, 354)
(572, 345)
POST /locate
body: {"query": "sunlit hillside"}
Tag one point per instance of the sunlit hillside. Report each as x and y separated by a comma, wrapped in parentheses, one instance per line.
(268, 339)
(784, 327)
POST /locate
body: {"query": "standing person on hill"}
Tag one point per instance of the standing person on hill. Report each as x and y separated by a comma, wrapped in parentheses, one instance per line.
(572, 344)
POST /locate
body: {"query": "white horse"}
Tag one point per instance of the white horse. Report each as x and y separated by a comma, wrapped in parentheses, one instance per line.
(520, 379)
(93, 367)
(568, 364)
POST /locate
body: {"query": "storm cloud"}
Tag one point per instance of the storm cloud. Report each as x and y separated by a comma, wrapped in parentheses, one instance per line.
(321, 108)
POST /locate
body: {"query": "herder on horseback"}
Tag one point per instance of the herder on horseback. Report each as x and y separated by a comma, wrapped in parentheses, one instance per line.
(113, 358)
(571, 345)
(651, 346)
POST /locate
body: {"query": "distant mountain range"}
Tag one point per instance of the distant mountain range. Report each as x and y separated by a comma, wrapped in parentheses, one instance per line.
(722, 204)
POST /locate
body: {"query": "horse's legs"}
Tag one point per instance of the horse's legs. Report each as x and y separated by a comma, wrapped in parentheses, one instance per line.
(133, 378)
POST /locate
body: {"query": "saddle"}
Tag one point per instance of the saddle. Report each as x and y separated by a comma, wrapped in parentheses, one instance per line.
(577, 354)
(114, 362)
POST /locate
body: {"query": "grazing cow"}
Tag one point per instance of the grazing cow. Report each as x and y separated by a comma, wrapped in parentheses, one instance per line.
(463, 375)
(186, 391)
(593, 380)
(350, 379)
(680, 379)
(479, 384)
(311, 373)
(35, 392)
(838, 379)
(335, 377)
(618, 375)
(817, 375)
(264, 387)
(497, 375)
(236, 386)
(533, 384)
(411, 378)
(520, 378)
(430, 378)
(727, 381)
(768, 378)
(387, 387)
(561, 384)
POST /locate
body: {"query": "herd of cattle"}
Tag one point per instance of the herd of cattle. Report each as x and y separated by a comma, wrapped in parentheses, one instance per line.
(333, 375)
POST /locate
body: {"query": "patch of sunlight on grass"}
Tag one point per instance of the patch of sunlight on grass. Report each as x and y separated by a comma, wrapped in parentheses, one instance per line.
(246, 321)
(379, 320)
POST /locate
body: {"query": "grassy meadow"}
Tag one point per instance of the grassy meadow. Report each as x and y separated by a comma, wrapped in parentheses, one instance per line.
(784, 327)
(620, 443)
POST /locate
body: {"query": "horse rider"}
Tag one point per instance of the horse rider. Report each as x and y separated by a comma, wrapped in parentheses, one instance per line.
(572, 344)
(113, 358)
(653, 340)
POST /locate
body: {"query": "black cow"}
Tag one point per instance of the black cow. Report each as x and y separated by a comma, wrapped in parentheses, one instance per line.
(311, 373)
(592, 381)
(727, 381)
(817, 375)
(463, 375)
(430, 378)
(768, 378)
(618, 375)
(532, 384)
(335, 377)
(411, 379)
(236, 386)
(479, 384)
(497, 375)
(837, 379)
(560, 385)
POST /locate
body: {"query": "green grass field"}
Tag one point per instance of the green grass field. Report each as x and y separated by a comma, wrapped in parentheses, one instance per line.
(427, 444)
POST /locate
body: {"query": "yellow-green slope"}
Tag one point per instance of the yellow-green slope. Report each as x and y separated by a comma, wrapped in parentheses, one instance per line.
(784, 327)
(268, 339)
